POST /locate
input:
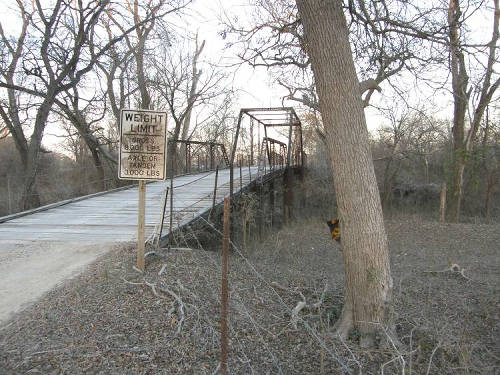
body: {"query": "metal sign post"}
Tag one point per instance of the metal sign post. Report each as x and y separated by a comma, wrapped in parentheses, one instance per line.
(143, 143)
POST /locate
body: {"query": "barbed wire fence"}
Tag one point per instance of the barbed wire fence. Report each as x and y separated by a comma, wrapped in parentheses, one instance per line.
(186, 237)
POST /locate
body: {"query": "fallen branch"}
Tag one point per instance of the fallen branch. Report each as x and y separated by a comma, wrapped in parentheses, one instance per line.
(303, 304)
(162, 269)
(185, 290)
(430, 359)
(137, 270)
(277, 285)
(295, 313)
(322, 298)
(180, 308)
(131, 282)
(454, 268)
(153, 288)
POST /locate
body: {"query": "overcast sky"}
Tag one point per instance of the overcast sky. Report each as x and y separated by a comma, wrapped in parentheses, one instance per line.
(254, 86)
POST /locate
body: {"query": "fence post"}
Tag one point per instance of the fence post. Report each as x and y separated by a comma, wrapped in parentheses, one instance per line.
(442, 208)
(225, 286)
(241, 177)
(171, 200)
(140, 225)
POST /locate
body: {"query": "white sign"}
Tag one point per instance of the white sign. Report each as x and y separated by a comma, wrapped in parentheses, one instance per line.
(143, 143)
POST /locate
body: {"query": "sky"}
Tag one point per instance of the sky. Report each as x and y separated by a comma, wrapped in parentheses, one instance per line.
(254, 86)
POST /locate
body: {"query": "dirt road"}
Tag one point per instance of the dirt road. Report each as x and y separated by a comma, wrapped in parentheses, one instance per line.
(29, 269)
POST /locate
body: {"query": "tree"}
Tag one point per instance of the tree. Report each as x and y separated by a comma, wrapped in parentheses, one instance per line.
(490, 160)
(464, 92)
(13, 108)
(368, 288)
(64, 32)
(82, 121)
(183, 85)
(58, 36)
(58, 46)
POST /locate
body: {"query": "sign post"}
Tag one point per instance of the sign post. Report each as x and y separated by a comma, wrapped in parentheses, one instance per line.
(143, 143)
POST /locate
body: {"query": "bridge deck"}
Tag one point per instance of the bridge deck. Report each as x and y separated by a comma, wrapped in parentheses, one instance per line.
(112, 217)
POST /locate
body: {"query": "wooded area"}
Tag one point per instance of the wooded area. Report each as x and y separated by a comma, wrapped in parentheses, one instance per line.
(398, 103)
(76, 65)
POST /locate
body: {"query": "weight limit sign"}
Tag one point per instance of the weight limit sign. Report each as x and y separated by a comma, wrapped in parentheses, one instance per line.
(143, 145)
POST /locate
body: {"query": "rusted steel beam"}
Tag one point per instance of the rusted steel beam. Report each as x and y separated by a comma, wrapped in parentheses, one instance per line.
(214, 198)
(268, 109)
(224, 155)
(233, 152)
(225, 287)
(282, 124)
(203, 143)
(163, 213)
(272, 140)
(171, 200)
(241, 177)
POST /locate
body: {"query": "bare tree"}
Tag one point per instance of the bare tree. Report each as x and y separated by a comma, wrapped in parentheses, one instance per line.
(85, 121)
(137, 44)
(11, 109)
(54, 64)
(490, 160)
(464, 91)
(64, 46)
(368, 288)
(382, 44)
(183, 85)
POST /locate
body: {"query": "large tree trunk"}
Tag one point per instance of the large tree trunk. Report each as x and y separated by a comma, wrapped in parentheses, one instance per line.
(460, 81)
(457, 185)
(368, 288)
(30, 195)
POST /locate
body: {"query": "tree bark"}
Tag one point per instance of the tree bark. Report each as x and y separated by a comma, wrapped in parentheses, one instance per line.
(368, 288)
(30, 196)
(462, 144)
(460, 81)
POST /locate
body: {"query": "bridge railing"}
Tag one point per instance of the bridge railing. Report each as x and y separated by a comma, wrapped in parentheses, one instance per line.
(273, 153)
(197, 156)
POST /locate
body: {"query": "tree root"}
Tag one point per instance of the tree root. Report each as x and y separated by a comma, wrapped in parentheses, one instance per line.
(345, 323)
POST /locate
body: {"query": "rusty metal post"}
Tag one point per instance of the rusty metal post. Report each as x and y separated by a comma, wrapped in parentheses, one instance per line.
(241, 177)
(215, 190)
(442, 208)
(275, 156)
(289, 149)
(233, 153)
(211, 156)
(283, 157)
(260, 214)
(225, 287)
(171, 200)
(250, 161)
(287, 195)
(271, 200)
(244, 230)
(163, 213)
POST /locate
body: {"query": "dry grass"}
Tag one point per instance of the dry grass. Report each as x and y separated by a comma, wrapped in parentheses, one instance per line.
(98, 323)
